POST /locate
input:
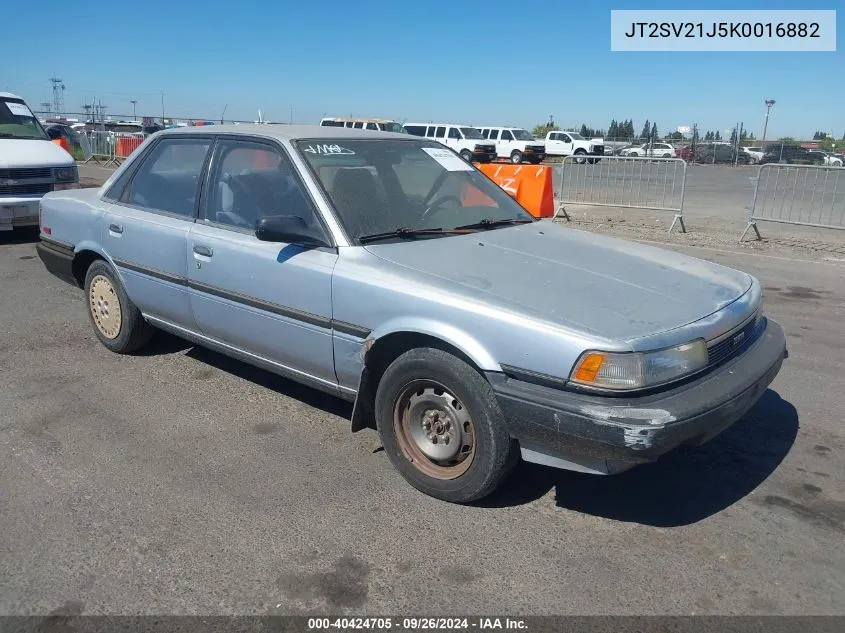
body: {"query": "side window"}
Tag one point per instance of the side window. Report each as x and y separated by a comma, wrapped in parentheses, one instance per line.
(484, 132)
(349, 124)
(453, 133)
(250, 181)
(506, 135)
(430, 131)
(358, 125)
(416, 130)
(440, 132)
(372, 126)
(168, 179)
(565, 138)
(494, 134)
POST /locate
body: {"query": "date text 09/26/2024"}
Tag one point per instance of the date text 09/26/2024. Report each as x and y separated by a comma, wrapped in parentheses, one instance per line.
(415, 624)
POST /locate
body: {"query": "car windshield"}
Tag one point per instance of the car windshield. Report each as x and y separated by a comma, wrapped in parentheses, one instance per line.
(392, 127)
(575, 136)
(472, 133)
(18, 121)
(523, 135)
(380, 186)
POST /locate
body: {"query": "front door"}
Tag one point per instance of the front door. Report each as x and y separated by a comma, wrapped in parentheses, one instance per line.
(270, 299)
(145, 231)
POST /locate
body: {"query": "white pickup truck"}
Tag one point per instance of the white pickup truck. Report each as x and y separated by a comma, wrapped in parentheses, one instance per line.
(515, 144)
(30, 164)
(559, 143)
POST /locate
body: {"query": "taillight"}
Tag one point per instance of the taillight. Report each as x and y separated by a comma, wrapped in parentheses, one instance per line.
(44, 229)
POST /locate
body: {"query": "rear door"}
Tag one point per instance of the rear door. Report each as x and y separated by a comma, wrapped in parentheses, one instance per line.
(145, 230)
(270, 299)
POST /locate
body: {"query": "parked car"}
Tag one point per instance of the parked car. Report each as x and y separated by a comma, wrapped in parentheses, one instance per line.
(566, 143)
(385, 125)
(832, 160)
(464, 139)
(655, 150)
(721, 153)
(789, 153)
(756, 152)
(76, 144)
(30, 164)
(384, 269)
(515, 144)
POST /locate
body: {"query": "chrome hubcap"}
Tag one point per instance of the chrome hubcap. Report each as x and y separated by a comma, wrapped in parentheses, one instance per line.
(105, 307)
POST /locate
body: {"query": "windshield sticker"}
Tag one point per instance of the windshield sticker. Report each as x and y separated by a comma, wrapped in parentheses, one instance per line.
(447, 159)
(19, 109)
(328, 150)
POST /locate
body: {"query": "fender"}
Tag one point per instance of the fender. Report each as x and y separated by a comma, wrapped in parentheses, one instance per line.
(447, 333)
(90, 245)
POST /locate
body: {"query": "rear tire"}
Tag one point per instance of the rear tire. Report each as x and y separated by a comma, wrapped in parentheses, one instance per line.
(442, 428)
(117, 321)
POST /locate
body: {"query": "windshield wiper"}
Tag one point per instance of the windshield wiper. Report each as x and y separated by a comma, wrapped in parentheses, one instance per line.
(487, 223)
(402, 233)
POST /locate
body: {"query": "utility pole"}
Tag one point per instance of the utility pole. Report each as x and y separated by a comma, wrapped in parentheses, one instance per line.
(133, 102)
(58, 95)
(769, 104)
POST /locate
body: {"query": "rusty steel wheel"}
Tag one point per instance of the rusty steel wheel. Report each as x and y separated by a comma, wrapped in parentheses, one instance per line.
(434, 430)
(105, 307)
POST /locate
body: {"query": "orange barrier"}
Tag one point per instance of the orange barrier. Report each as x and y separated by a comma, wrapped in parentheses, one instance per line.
(126, 145)
(531, 185)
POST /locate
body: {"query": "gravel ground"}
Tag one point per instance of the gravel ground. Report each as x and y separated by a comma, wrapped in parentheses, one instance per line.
(179, 481)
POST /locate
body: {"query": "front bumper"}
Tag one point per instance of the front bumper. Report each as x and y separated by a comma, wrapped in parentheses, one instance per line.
(484, 157)
(18, 211)
(604, 435)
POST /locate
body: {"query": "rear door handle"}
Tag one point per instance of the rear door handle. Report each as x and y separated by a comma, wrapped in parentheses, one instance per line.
(205, 251)
(115, 228)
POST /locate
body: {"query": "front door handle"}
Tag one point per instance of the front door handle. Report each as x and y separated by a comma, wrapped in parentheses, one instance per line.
(116, 228)
(205, 251)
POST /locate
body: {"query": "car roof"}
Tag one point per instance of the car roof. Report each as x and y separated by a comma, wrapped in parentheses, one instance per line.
(439, 123)
(286, 132)
(9, 95)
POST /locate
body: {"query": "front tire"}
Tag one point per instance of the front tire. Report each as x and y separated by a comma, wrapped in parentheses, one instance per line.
(580, 156)
(441, 426)
(117, 321)
(516, 157)
(466, 155)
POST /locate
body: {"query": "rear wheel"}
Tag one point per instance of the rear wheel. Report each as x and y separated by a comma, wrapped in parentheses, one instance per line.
(441, 426)
(117, 321)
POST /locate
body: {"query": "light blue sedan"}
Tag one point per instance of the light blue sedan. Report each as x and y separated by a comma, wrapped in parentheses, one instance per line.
(384, 269)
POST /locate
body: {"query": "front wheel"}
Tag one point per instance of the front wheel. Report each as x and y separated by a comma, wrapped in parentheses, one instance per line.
(579, 157)
(516, 157)
(441, 426)
(466, 155)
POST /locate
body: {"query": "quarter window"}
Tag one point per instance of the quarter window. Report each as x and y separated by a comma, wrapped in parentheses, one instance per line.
(168, 179)
(441, 132)
(251, 181)
(494, 134)
(372, 126)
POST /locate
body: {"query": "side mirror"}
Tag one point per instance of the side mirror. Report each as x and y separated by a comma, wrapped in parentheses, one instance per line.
(290, 229)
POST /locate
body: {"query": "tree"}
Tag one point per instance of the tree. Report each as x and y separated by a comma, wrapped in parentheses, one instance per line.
(818, 136)
(629, 129)
(827, 144)
(675, 136)
(584, 132)
(751, 138)
(646, 129)
(613, 130)
(718, 136)
(654, 131)
(786, 139)
(541, 129)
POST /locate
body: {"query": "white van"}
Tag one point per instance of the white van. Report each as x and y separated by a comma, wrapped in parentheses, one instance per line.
(30, 164)
(515, 144)
(464, 139)
(384, 125)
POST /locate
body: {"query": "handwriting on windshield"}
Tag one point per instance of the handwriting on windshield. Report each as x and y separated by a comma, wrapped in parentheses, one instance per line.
(326, 149)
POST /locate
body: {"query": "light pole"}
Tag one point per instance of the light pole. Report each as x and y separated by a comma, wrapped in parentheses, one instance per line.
(133, 102)
(769, 104)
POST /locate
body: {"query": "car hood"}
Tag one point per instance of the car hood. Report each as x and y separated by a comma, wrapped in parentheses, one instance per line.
(15, 153)
(582, 281)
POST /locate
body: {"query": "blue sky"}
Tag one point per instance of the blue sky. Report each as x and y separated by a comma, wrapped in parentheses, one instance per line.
(493, 62)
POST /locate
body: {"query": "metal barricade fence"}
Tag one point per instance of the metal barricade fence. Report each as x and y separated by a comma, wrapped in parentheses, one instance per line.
(102, 147)
(803, 195)
(623, 181)
(125, 143)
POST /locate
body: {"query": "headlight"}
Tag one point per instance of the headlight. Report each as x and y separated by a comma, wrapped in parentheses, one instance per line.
(66, 174)
(622, 371)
